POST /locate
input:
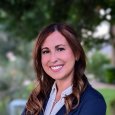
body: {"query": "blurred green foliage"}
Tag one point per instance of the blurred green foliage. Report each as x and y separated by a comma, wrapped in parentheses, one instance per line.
(25, 18)
(16, 69)
(95, 64)
(22, 93)
(109, 74)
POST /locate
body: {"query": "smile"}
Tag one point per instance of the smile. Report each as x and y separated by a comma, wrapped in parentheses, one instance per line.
(56, 68)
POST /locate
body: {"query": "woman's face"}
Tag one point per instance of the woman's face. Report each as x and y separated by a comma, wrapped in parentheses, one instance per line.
(57, 57)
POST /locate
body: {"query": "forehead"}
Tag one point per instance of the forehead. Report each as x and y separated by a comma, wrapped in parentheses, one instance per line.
(54, 39)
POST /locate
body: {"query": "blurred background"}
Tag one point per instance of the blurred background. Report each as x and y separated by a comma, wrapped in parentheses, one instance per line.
(20, 22)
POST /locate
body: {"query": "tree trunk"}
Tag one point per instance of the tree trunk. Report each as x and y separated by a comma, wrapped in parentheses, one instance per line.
(113, 44)
(113, 53)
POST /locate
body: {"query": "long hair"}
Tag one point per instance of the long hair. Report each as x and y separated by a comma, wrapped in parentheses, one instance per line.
(45, 82)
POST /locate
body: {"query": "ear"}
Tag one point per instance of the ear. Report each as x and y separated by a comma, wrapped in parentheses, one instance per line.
(77, 56)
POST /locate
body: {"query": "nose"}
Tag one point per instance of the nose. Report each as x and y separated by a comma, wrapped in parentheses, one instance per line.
(53, 57)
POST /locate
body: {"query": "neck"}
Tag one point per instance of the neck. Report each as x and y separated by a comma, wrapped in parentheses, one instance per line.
(61, 86)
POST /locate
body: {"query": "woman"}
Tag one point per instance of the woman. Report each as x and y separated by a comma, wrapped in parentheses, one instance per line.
(63, 88)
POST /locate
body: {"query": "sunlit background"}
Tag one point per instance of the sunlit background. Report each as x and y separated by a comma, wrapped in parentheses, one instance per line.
(20, 22)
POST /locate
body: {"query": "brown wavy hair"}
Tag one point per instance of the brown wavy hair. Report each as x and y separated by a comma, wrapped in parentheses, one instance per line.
(44, 82)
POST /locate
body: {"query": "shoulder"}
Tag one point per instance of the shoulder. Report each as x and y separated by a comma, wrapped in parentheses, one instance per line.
(91, 102)
(91, 93)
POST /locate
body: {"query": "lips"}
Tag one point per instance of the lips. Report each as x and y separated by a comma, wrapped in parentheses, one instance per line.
(56, 68)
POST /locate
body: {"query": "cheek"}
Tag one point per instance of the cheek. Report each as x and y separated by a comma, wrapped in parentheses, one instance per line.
(44, 60)
(69, 56)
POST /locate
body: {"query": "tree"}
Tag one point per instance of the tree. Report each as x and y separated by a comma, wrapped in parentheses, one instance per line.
(25, 18)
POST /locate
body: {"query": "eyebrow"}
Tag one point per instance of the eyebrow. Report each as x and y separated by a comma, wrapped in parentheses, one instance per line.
(55, 46)
(44, 48)
(59, 45)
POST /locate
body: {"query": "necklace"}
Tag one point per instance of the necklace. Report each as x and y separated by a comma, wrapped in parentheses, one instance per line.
(55, 101)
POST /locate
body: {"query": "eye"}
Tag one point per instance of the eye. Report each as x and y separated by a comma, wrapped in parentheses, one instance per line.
(61, 49)
(45, 51)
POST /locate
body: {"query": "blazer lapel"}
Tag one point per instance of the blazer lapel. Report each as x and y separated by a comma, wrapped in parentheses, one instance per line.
(61, 111)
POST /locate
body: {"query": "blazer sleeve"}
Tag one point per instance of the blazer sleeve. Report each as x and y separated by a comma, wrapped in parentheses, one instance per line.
(93, 107)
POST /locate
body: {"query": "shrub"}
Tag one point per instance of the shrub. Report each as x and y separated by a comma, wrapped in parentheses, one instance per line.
(95, 64)
(109, 74)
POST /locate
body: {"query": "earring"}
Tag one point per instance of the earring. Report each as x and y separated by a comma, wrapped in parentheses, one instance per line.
(76, 59)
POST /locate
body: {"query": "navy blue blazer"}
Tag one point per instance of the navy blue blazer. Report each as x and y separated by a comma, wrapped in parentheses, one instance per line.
(91, 103)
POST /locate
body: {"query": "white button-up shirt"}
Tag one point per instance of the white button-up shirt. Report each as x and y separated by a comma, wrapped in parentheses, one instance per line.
(59, 104)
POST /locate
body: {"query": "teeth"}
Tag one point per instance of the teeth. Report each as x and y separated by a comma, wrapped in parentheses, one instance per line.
(56, 67)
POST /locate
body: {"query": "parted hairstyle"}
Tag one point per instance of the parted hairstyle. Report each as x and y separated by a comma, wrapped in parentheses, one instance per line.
(36, 99)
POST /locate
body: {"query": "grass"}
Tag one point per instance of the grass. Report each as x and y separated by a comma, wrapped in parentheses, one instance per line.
(109, 95)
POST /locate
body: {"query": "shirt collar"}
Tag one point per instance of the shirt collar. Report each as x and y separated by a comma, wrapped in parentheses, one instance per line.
(66, 92)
